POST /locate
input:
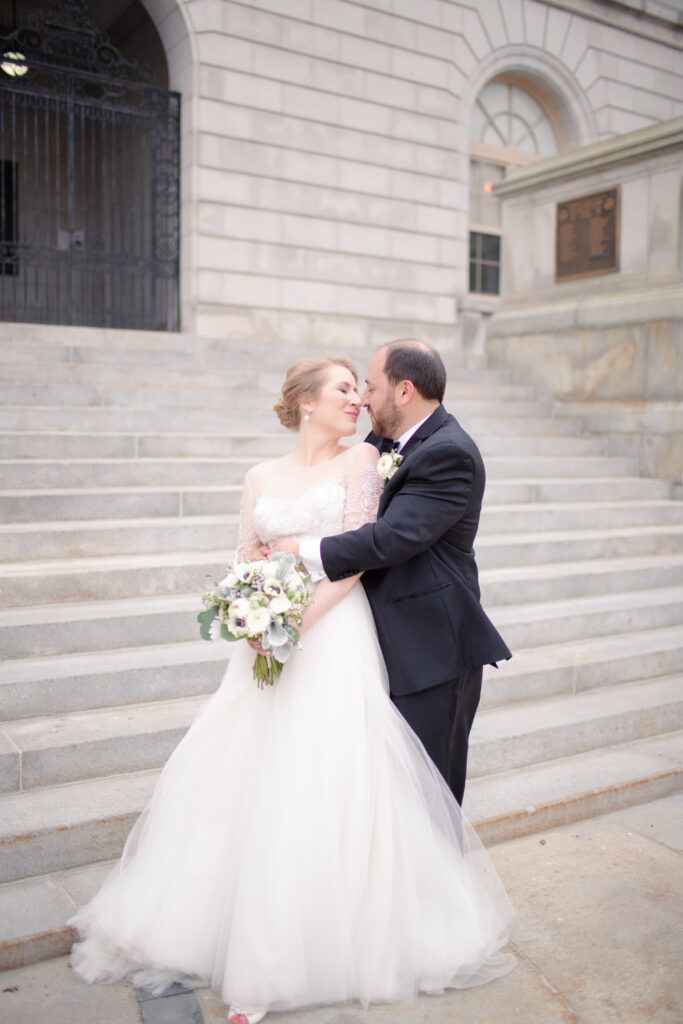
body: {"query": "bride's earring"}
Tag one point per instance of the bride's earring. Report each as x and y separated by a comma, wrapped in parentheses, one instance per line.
(307, 415)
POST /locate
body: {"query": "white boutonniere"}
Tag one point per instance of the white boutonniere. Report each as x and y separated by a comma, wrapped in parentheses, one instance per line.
(388, 464)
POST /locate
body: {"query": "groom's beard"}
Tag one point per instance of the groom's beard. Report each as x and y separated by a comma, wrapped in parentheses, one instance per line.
(386, 421)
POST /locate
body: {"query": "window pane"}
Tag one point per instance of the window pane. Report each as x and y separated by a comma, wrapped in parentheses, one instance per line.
(489, 279)
(490, 247)
(473, 277)
(473, 244)
(546, 140)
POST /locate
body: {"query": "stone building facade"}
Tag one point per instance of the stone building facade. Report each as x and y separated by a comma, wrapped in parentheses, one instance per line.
(327, 147)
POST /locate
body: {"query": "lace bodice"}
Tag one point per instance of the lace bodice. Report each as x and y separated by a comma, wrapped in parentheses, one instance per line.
(342, 494)
(317, 512)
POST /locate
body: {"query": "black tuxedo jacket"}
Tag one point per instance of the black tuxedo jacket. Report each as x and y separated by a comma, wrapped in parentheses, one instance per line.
(420, 575)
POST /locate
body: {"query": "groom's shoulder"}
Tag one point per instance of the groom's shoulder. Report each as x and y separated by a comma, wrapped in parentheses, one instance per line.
(450, 432)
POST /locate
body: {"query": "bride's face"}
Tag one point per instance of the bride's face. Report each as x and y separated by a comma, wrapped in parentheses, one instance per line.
(337, 407)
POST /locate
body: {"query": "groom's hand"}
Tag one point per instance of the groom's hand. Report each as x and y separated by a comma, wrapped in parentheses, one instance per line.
(287, 546)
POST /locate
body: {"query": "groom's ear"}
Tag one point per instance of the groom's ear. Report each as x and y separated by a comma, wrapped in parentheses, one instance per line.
(405, 392)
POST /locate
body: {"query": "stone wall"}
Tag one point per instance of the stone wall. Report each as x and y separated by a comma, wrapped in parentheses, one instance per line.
(325, 147)
(609, 346)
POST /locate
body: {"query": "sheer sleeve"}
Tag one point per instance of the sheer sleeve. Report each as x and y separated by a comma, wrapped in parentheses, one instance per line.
(363, 489)
(247, 539)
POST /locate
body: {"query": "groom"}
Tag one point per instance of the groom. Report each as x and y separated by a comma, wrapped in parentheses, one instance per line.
(417, 559)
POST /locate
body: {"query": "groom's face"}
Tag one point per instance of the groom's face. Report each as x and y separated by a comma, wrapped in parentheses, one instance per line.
(380, 401)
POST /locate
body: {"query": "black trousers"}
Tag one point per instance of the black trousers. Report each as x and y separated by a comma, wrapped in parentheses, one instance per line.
(442, 717)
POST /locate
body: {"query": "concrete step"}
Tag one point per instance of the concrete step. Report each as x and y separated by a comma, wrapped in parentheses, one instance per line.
(195, 394)
(518, 549)
(37, 474)
(35, 687)
(536, 673)
(52, 629)
(558, 580)
(105, 537)
(97, 419)
(26, 505)
(63, 748)
(100, 419)
(47, 830)
(513, 737)
(551, 622)
(80, 445)
(226, 375)
(522, 801)
(52, 750)
(117, 577)
(46, 630)
(39, 582)
(538, 517)
(62, 827)
(149, 535)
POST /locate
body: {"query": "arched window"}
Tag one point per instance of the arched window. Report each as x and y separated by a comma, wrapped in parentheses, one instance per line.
(511, 124)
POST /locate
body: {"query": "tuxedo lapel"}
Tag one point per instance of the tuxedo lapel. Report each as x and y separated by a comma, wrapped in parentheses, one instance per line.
(432, 423)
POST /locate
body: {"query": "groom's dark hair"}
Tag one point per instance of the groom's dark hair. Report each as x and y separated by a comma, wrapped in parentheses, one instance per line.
(418, 363)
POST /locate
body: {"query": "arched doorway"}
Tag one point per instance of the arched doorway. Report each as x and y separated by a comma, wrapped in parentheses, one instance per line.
(89, 169)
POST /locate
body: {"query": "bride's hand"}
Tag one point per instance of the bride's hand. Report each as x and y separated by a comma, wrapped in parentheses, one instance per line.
(259, 650)
(257, 554)
(286, 545)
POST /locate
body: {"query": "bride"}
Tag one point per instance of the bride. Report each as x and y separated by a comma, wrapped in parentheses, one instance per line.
(300, 847)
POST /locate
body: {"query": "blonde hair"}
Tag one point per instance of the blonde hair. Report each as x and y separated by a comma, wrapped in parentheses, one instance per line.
(306, 380)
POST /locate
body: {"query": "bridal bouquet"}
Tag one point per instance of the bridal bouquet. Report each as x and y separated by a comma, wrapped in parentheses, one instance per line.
(260, 601)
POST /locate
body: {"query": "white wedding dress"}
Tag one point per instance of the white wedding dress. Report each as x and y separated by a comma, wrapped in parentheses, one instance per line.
(300, 847)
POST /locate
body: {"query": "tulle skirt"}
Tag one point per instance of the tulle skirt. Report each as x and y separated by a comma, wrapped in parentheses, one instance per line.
(300, 847)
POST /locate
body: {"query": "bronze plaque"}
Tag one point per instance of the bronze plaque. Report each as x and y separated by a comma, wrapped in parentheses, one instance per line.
(587, 239)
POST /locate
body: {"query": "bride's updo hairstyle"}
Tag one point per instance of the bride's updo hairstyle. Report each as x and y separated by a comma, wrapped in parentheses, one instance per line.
(305, 380)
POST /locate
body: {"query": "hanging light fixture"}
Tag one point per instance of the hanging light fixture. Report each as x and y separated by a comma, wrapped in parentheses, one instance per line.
(13, 63)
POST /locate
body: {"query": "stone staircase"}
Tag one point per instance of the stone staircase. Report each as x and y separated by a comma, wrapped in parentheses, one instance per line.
(121, 458)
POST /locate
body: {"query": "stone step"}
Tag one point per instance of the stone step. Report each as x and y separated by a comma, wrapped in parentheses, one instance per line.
(569, 668)
(34, 687)
(533, 517)
(65, 539)
(36, 474)
(145, 575)
(495, 551)
(41, 630)
(63, 827)
(107, 537)
(226, 376)
(497, 419)
(71, 747)
(50, 751)
(25, 505)
(34, 910)
(74, 445)
(119, 577)
(53, 629)
(243, 393)
(80, 445)
(542, 796)
(514, 736)
(558, 580)
(534, 625)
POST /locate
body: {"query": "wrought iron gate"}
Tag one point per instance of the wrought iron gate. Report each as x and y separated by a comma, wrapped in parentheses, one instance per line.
(89, 180)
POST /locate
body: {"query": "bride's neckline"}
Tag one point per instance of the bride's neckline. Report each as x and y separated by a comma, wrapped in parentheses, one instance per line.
(316, 465)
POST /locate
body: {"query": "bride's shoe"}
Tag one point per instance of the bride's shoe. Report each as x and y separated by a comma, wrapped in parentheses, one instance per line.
(237, 1016)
